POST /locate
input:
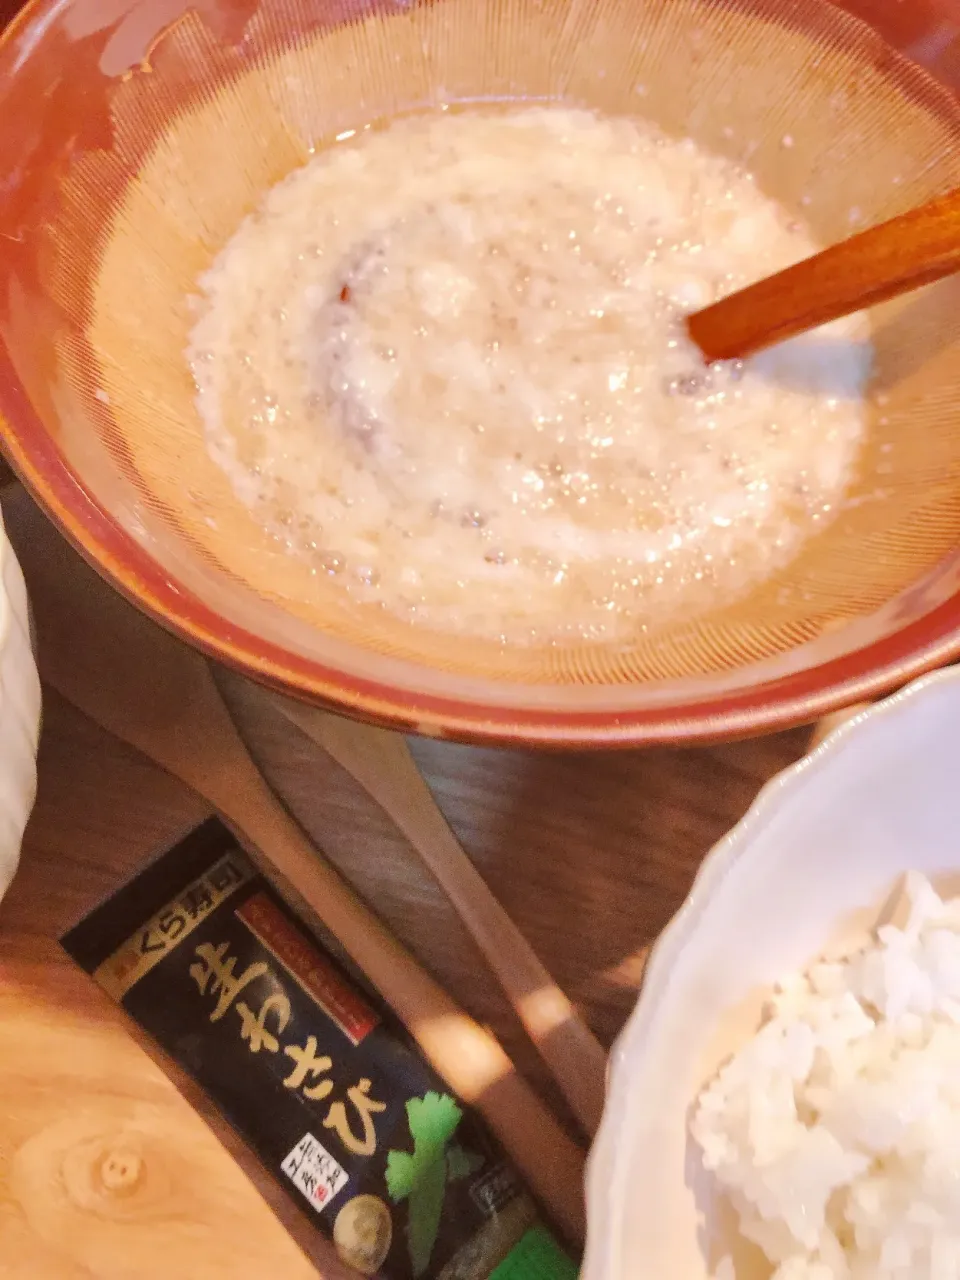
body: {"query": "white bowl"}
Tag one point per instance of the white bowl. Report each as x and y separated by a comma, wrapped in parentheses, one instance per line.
(19, 713)
(807, 871)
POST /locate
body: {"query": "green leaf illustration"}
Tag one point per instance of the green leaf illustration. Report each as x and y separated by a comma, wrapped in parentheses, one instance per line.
(401, 1174)
(433, 1119)
(420, 1177)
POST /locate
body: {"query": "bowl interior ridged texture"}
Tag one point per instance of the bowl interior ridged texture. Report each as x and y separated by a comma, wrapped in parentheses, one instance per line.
(189, 142)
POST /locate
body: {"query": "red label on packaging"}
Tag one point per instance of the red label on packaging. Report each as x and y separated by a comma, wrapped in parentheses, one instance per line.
(304, 962)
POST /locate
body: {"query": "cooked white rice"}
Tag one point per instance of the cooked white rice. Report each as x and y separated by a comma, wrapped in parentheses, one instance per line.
(836, 1131)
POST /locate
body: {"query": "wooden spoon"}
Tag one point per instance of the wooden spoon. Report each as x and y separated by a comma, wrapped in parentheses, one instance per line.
(911, 250)
(381, 762)
(146, 688)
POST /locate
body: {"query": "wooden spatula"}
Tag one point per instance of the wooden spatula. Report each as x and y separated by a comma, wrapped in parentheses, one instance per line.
(381, 762)
(146, 688)
(911, 250)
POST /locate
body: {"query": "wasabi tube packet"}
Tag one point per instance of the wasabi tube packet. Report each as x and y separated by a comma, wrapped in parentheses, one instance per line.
(312, 1071)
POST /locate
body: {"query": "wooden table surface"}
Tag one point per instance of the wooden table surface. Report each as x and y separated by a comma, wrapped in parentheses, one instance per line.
(106, 1170)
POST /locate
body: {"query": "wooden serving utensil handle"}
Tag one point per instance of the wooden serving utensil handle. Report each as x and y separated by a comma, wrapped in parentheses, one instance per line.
(911, 250)
(381, 762)
(465, 1054)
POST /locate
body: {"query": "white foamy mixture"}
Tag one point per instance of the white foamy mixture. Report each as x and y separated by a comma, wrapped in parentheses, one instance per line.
(836, 1130)
(446, 363)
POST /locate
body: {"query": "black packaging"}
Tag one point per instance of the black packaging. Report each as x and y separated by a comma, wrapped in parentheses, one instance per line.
(315, 1075)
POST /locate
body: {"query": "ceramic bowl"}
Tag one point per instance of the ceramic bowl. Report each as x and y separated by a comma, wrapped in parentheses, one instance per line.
(806, 872)
(19, 713)
(136, 134)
